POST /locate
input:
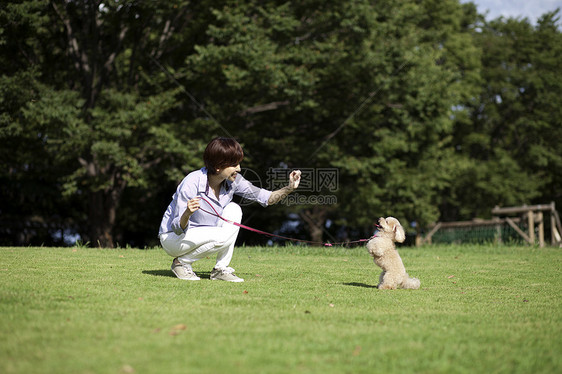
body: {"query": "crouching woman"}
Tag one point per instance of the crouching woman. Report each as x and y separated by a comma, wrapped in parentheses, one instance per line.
(188, 233)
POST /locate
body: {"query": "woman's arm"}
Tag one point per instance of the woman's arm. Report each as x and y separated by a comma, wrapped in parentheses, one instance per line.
(294, 180)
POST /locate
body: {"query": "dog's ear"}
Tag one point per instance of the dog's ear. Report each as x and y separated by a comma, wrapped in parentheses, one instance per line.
(399, 234)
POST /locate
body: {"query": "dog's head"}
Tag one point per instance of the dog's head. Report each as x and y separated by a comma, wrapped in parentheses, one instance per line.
(391, 227)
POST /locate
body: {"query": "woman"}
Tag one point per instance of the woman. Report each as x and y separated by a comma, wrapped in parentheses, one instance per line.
(188, 234)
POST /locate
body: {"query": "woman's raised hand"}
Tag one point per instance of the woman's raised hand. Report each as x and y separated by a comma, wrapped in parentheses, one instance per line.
(294, 179)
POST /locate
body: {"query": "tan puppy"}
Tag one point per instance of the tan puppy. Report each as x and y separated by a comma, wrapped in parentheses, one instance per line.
(385, 255)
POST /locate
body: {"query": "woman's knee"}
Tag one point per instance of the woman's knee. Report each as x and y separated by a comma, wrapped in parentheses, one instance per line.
(232, 212)
(171, 244)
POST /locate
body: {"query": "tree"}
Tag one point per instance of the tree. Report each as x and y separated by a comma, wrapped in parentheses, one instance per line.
(30, 209)
(401, 151)
(509, 131)
(102, 102)
(424, 110)
(365, 88)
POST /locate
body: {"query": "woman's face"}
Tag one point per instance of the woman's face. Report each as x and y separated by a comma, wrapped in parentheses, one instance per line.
(229, 173)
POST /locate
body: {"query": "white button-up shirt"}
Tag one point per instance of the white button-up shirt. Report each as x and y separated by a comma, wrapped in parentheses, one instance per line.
(196, 184)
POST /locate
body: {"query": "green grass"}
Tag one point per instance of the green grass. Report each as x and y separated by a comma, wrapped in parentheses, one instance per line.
(481, 309)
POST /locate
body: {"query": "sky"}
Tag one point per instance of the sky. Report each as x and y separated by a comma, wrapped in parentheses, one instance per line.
(531, 9)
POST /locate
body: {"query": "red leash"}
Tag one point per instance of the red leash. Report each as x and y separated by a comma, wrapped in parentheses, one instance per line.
(216, 214)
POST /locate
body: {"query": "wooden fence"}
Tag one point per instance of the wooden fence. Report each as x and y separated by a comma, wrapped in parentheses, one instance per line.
(531, 216)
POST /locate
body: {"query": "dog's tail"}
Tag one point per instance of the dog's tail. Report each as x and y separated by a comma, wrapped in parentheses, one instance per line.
(411, 283)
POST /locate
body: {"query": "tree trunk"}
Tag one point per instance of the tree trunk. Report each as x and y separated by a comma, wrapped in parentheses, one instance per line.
(100, 224)
(315, 219)
(102, 214)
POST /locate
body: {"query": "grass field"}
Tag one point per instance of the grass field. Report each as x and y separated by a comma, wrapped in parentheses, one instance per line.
(481, 309)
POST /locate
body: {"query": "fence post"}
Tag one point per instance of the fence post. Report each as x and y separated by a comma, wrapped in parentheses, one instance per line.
(541, 229)
(427, 238)
(531, 220)
(552, 224)
(498, 231)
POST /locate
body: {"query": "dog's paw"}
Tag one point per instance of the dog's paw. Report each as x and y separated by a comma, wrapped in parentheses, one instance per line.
(386, 287)
(411, 284)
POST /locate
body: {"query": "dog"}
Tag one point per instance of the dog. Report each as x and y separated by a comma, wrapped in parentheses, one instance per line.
(385, 255)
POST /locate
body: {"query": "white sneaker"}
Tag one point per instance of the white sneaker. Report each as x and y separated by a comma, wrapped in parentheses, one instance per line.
(225, 275)
(183, 271)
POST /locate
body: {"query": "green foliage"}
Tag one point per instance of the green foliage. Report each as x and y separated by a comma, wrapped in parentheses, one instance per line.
(401, 140)
(360, 90)
(480, 309)
(511, 133)
(90, 104)
(427, 111)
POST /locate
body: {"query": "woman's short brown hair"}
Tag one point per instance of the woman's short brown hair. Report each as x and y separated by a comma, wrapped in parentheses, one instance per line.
(222, 153)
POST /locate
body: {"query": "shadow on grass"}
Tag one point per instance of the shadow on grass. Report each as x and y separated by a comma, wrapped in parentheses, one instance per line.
(160, 273)
(355, 284)
(168, 273)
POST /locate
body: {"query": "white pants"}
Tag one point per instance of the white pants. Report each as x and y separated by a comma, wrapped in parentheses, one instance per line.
(199, 242)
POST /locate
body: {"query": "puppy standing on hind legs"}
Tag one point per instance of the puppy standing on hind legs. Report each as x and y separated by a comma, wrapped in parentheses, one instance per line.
(385, 255)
